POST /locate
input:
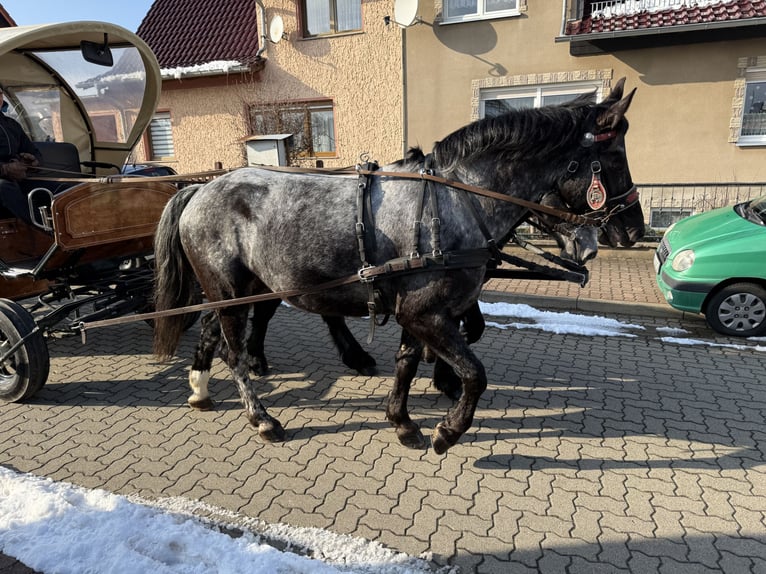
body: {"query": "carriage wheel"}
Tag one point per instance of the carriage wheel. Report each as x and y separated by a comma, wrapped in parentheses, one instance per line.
(25, 372)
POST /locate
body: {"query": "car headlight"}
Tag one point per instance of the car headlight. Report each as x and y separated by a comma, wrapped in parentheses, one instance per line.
(683, 260)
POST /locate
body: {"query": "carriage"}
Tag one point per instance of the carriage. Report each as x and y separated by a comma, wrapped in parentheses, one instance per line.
(84, 92)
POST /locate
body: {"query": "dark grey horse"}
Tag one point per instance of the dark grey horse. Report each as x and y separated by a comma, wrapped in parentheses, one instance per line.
(255, 231)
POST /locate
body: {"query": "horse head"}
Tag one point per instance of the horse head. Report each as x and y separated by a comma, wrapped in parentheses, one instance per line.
(597, 178)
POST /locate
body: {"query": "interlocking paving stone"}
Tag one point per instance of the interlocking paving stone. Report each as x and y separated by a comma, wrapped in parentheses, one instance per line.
(587, 454)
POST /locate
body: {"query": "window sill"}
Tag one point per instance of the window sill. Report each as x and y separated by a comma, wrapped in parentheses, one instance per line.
(752, 141)
(478, 18)
(330, 35)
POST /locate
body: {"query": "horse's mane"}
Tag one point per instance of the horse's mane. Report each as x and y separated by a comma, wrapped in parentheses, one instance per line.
(540, 132)
(415, 157)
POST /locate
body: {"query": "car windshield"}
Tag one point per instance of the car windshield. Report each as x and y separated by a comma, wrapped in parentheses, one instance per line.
(755, 210)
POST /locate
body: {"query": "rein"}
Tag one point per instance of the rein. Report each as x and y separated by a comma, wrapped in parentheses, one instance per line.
(186, 178)
(402, 265)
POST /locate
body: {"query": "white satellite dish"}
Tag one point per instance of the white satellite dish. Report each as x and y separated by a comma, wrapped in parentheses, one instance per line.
(406, 12)
(276, 29)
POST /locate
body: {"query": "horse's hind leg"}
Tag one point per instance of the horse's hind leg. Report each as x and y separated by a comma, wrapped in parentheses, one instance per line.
(233, 322)
(407, 359)
(210, 336)
(445, 378)
(351, 352)
(262, 313)
(442, 335)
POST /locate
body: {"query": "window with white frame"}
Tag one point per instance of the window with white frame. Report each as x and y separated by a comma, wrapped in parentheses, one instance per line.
(753, 130)
(323, 17)
(161, 137)
(496, 101)
(312, 125)
(466, 10)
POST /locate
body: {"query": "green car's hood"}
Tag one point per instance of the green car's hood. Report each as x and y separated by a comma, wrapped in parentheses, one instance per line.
(725, 244)
(717, 227)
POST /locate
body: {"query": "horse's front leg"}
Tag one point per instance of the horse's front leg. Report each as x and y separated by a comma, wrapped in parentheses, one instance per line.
(210, 336)
(445, 378)
(442, 335)
(233, 323)
(351, 352)
(407, 359)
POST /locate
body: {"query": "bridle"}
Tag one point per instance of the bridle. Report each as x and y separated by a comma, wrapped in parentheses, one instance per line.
(597, 197)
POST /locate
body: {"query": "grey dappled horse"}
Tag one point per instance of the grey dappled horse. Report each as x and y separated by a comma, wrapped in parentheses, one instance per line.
(258, 231)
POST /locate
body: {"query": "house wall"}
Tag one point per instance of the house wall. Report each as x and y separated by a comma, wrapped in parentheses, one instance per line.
(681, 118)
(360, 72)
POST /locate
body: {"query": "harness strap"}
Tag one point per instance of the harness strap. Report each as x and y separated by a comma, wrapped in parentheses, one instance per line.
(536, 207)
(365, 237)
(464, 258)
(401, 266)
(365, 225)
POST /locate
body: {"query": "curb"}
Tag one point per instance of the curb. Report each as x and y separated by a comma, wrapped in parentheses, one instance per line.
(592, 305)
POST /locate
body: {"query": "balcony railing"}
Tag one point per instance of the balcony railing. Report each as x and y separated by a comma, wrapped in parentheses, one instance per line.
(609, 8)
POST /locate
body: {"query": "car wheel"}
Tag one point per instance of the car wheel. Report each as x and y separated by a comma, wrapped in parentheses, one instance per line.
(738, 310)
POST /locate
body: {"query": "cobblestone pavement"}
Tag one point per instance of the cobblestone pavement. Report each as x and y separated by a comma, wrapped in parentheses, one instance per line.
(587, 454)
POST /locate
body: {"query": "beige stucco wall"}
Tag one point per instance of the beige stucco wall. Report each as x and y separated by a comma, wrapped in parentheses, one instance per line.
(360, 72)
(680, 119)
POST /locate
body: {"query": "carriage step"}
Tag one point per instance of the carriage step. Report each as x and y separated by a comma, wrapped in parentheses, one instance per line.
(17, 270)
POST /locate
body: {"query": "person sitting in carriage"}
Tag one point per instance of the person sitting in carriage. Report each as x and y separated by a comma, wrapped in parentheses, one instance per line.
(17, 155)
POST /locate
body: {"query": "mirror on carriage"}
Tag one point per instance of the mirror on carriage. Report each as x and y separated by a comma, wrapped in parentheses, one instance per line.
(96, 53)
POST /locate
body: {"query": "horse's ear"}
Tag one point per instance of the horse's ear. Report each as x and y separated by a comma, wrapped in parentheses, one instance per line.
(617, 90)
(612, 115)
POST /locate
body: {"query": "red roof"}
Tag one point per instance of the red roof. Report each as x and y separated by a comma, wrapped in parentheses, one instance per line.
(684, 15)
(192, 32)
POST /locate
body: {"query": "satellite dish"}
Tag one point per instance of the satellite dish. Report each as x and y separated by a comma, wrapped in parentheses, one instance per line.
(276, 29)
(406, 12)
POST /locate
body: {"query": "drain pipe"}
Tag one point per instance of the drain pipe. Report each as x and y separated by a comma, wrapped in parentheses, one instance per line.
(563, 18)
(263, 39)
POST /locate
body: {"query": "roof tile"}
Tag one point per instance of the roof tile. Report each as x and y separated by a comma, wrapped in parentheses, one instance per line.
(192, 32)
(726, 10)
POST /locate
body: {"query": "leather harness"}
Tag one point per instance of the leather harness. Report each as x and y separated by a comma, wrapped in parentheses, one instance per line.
(415, 262)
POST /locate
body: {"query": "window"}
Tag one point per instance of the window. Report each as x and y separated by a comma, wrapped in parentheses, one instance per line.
(322, 17)
(753, 130)
(161, 137)
(312, 125)
(466, 10)
(496, 101)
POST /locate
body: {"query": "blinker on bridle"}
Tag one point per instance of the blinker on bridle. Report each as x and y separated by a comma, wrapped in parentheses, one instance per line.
(596, 194)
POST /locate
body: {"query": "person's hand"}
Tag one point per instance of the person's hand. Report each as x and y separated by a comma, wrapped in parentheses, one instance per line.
(29, 159)
(14, 170)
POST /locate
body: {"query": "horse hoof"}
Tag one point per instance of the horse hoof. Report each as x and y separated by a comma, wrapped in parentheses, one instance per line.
(271, 431)
(363, 364)
(367, 371)
(259, 368)
(442, 439)
(411, 437)
(202, 405)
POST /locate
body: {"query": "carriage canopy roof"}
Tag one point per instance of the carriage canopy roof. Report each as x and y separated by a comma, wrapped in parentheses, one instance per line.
(59, 95)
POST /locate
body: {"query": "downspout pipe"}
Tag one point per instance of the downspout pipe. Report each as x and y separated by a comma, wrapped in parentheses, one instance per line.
(263, 39)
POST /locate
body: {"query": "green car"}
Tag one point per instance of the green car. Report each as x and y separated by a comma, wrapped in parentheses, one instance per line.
(715, 263)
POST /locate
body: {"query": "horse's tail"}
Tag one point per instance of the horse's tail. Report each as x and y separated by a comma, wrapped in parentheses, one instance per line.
(174, 281)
